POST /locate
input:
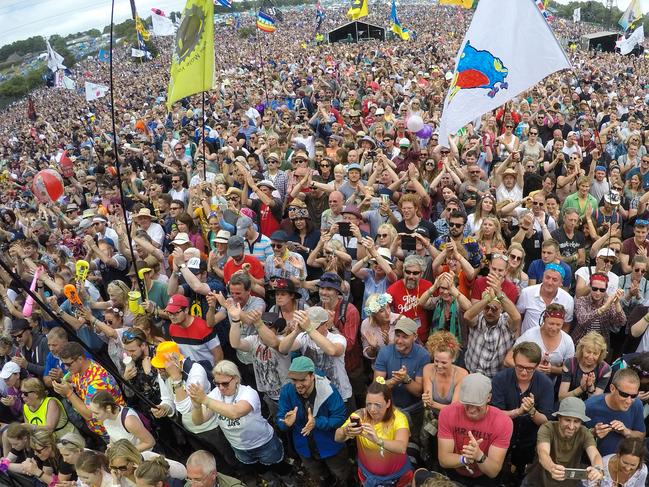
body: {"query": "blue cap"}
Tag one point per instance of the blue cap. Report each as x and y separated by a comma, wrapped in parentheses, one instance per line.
(555, 267)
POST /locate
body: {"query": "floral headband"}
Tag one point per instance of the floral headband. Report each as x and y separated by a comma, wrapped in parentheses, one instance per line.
(376, 304)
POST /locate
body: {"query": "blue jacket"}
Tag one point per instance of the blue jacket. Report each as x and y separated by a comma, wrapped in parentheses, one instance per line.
(329, 412)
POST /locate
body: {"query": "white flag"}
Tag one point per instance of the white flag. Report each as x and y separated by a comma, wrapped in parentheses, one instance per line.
(495, 65)
(137, 52)
(627, 45)
(68, 83)
(162, 25)
(54, 59)
(94, 91)
(576, 15)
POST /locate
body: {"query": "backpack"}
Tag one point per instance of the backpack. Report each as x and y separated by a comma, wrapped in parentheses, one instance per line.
(187, 366)
(145, 421)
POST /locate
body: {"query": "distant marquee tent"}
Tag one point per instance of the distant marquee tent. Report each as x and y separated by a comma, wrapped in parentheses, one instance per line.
(603, 40)
(356, 31)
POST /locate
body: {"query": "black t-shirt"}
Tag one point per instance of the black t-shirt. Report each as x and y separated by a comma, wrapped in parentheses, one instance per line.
(567, 246)
(431, 232)
(532, 247)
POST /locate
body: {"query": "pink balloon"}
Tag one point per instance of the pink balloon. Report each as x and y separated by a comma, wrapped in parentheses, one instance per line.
(47, 186)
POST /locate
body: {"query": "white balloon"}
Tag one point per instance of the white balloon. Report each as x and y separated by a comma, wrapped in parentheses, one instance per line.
(415, 123)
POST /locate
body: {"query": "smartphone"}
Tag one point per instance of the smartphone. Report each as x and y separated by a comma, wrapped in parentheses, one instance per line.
(355, 421)
(408, 242)
(576, 473)
(344, 229)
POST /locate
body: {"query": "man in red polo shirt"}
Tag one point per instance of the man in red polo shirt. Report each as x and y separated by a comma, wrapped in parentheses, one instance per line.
(497, 272)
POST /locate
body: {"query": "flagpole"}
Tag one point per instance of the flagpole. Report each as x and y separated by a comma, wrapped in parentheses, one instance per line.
(263, 71)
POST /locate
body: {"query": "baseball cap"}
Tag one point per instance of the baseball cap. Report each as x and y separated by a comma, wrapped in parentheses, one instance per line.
(353, 166)
(176, 303)
(475, 390)
(279, 236)
(404, 142)
(379, 111)
(242, 225)
(196, 265)
(317, 315)
(300, 366)
(19, 325)
(8, 370)
(606, 253)
(406, 325)
(235, 246)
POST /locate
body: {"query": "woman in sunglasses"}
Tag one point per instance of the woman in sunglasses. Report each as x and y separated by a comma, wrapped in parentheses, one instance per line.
(515, 264)
(598, 311)
(586, 374)
(42, 411)
(237, 408)
(123, 461)
(45, 464)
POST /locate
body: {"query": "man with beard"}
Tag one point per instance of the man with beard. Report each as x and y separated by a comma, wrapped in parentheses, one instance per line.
(456, 225)
(138, 372)
(561, 444)
(407, 291)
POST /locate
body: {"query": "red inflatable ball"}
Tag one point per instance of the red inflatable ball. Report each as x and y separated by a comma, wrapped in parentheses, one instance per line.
(47, 186)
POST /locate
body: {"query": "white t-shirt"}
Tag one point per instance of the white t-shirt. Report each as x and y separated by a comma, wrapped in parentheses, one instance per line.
(333, 367)
(565, 350)
(515, 194)
(156, 232)
(270, 366)
(249, 431)
(116, 430)
(532, 305)
(613, 279)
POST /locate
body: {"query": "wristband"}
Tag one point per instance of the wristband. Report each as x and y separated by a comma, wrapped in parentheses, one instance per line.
(482, 459)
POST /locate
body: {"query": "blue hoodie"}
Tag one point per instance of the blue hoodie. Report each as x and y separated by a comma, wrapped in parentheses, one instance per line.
(329, 412)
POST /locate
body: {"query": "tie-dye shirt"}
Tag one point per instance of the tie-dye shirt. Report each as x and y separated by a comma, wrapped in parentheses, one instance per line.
(93, 380)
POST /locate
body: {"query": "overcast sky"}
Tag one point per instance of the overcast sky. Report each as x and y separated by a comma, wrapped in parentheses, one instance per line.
(20, 19)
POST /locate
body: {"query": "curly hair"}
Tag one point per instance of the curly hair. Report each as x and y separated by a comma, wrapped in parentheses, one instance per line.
(443, 341)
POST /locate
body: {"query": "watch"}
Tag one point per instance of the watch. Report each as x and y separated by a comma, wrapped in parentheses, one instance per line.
(483, 458)
(182, 266)
(408, 380)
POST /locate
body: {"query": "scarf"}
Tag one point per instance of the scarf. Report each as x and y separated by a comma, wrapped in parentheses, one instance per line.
(438, 319)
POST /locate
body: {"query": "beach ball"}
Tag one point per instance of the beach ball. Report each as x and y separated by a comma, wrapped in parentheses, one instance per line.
(47, 186)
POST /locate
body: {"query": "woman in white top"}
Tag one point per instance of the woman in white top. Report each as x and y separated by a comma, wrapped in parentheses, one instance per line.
(120, 423)
(626, 467)
(124, 459)
(238, 411)
(557, 346)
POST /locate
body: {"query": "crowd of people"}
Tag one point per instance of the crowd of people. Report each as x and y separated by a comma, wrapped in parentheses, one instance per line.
(288, 287)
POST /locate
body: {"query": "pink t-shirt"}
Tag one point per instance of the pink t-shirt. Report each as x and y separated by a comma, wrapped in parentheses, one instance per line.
(495, 429)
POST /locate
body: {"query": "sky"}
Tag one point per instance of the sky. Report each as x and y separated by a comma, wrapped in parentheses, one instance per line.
(20, 19)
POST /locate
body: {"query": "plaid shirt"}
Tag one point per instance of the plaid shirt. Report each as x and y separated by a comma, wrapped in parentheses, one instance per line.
(488, 345)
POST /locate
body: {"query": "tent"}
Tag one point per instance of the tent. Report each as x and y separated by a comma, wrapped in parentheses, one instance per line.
(603, 40)
(356, 31)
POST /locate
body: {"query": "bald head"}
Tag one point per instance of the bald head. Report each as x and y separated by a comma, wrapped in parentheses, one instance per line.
(336, 199)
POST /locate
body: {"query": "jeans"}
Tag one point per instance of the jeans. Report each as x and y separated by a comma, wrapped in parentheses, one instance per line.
(268, 454)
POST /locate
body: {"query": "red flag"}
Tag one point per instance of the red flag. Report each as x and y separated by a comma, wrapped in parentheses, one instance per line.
(31, 111)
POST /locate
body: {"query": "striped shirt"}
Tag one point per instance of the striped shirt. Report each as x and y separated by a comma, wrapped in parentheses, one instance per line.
(260, 248)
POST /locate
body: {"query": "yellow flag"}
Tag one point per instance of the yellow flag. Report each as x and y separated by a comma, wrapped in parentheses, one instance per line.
(461, 3)
(192, 61)
(139, 27)
(357, 10)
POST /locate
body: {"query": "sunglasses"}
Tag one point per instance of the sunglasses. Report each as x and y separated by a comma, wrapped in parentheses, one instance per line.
(232, 198)
(411, 273)
(121, 468)
(534, 133)
(325, 165)
(626, 394)
(515, 257)
(223, 384)
(174, 207)
(491, 308)
(598, 289)
(609, 261)
(456, 225)
(277, 245)
(538, 203)
(18, 335)
(383, 235)
(26, 393)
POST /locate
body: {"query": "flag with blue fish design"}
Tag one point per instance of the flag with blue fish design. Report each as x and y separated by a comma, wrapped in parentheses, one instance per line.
(495, 65)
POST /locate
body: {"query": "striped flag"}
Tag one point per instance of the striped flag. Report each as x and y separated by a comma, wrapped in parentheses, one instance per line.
(265, 22)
